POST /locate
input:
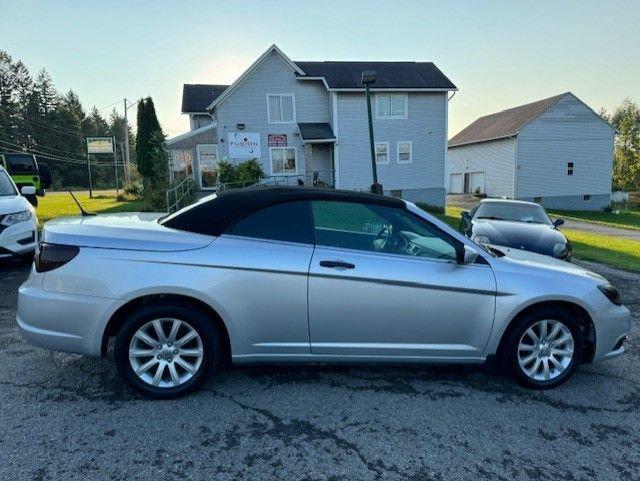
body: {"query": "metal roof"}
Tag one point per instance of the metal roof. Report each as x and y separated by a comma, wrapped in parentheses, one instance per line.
(316, 131)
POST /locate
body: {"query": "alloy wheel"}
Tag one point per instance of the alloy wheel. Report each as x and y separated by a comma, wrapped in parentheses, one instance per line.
(166, 352)
(545, 350)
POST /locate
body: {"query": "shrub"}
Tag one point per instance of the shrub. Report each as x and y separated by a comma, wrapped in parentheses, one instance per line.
(133, 189)
(239, 175)
(432, 209)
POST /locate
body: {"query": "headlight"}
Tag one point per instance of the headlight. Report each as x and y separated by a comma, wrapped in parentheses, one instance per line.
(610, 293)
(560, 249)
(16, 217)
(481, 239)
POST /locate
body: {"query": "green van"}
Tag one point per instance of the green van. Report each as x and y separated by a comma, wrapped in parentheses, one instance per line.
(24, 170)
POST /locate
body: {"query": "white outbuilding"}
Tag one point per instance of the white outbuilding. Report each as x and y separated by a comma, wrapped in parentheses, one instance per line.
(556, 151)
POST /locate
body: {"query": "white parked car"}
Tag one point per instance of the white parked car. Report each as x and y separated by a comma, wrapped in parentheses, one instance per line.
(18, 222)
(307, 275)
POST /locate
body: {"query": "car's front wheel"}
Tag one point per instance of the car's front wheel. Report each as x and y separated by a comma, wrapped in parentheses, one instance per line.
(167, 350)
(544, 349)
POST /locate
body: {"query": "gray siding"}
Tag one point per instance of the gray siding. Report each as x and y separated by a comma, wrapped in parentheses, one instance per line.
(425, 127)
(495, 158)
(248, 105)
(567, 132)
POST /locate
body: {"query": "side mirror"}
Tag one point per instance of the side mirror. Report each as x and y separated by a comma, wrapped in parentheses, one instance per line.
(558, 222)
(28, 190)
(468, 255)
(465, 214)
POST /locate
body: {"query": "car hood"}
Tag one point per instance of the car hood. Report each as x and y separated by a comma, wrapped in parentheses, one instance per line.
(520, 235)
(518, 259)
(13, 203)
(128, 230)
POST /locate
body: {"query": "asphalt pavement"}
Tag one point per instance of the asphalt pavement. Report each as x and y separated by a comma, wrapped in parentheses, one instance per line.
(68, 417)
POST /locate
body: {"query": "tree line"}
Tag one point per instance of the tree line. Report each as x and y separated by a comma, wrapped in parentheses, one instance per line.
(626, 164)
(36, 118)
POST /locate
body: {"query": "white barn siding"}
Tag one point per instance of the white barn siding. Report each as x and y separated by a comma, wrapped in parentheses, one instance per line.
(495, 158)
(248, 105)
(568, 131)
(425, 126)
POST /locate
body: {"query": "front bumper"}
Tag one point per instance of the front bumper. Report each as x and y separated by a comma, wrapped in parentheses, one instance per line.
(17, 239)
(61, 322)
(613, 326)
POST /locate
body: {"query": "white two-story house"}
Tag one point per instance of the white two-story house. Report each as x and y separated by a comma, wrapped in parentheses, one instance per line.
(306, 122)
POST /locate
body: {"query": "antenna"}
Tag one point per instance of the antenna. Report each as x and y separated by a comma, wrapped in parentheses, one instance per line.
(84, 212)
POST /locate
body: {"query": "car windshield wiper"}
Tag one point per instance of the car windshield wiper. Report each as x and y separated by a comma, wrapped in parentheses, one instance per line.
(489, 217)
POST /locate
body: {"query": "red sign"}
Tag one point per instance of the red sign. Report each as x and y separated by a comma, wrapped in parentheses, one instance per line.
(277, 140)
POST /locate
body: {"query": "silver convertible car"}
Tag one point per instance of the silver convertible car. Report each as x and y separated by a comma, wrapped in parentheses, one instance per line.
(307, 275)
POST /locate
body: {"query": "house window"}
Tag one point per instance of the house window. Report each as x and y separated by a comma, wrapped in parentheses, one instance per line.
(586, 197)
(382, 152)
(404, 152)
(281, 109)
(283, 161)
(569, 168)
(391, 106)
(537, 200)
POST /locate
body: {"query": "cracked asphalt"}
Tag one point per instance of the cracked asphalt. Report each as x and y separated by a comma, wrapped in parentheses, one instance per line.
(67, 417)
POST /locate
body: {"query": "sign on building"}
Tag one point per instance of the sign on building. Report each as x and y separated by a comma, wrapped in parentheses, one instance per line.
(243, 145)
(99, 145)
(277, 140)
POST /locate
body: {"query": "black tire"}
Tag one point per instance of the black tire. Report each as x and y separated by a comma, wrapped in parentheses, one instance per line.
(197, 319)
(33, 200)
(508, 355)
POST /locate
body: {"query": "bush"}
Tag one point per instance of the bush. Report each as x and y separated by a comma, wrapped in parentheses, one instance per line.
(245, 173)
(432, 209)
(133, 189)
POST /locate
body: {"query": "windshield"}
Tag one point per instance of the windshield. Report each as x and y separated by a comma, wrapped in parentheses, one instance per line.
(530, 213)
(21, 164)
(6, 185)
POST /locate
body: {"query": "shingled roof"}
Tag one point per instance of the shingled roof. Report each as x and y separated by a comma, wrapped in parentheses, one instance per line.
(502, 124)
(197, 97)
(400, 75)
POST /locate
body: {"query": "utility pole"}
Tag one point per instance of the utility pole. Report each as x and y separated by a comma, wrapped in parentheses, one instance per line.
(115, 164)
(127, 173)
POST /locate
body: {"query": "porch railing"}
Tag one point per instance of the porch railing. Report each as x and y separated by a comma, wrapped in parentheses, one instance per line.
(176, 195)
(318, 178)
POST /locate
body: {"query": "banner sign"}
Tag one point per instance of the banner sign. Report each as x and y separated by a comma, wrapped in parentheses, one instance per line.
(99, 145)
(277, 140)
(244, 145)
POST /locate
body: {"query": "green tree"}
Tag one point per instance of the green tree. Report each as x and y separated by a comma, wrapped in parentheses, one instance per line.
(151, 155)
(626, 165)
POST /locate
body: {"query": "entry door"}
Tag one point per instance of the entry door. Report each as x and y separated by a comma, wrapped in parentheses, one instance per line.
(364, 302)
(207, 166)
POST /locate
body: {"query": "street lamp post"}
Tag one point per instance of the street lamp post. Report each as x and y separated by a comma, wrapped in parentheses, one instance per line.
(368, 78)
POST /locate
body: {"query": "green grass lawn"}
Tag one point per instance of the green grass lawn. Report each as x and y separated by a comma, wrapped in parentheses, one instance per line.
(614, 251)
(629, 219)
(60, 204)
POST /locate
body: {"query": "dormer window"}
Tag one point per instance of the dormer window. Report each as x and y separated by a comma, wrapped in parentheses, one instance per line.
(281, 108)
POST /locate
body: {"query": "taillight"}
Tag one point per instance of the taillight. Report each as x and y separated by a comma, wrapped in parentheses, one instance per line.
(52, 256)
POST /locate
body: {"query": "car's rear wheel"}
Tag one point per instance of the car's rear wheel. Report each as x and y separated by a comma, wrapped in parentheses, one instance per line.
(165, 351)
(544, 349)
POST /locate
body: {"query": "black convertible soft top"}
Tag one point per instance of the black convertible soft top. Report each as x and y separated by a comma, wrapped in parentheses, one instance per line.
(216, 216)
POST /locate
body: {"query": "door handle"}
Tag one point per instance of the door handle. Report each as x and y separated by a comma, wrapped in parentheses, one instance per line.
(337, 264)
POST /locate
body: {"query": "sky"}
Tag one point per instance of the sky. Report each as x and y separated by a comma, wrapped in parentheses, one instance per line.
(500, 54)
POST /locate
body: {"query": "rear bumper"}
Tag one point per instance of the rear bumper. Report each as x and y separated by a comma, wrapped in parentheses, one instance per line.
(612, 326)
(61, 322)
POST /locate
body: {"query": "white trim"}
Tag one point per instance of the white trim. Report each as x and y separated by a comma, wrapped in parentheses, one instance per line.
(391, 116)
(319, 141)
(324, 80)
(295, 156)
(336, 163)
(393, 90)
(190, 134)
(293, 96)
(388, 153)
(446, 140)
(398, 151)
(232, 88)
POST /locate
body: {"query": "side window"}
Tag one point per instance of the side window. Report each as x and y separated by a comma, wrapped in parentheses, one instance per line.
(376, 228)
(290, 222)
